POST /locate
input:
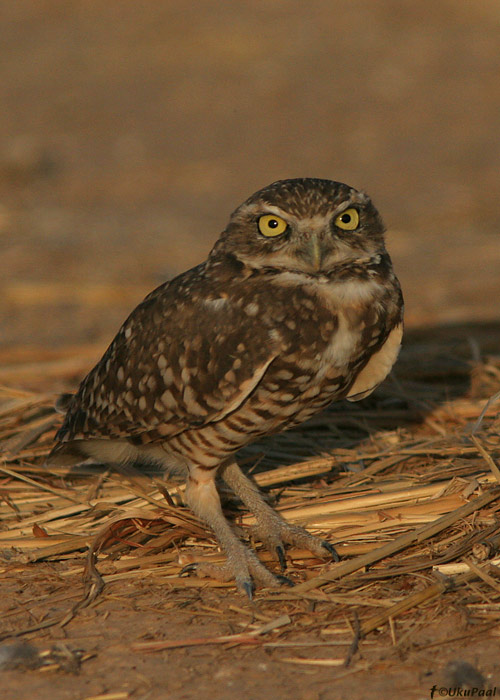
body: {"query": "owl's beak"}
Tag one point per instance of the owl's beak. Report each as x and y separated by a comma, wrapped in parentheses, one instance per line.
(315, 252)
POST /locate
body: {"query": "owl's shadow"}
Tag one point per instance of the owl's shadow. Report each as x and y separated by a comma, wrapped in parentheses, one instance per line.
(437, 364)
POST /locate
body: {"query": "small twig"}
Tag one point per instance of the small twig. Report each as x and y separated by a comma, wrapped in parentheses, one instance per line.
(35, 628)
(419, 535)
(457, 567)
(43, 487)
(16, 444)
(432, 591)
(483, 575)
(241, 638)
(94, 585)
(355, 642)
(487, 458)
(312, 662)
(414, 600)
(487, 405)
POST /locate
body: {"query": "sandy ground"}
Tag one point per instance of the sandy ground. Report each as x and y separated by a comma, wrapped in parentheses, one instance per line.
(128, 133)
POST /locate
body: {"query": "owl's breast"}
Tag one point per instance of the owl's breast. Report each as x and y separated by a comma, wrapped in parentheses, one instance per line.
(330, 336)
(320, 360)
(320, 367)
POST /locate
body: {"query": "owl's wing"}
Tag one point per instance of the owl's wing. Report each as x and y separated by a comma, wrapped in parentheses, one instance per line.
(378, 366)
(178, 362)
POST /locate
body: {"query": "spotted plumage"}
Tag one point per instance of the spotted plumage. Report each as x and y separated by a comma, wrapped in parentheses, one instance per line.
(297, 305)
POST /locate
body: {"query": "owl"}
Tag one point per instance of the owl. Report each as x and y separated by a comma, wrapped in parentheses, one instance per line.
(296, 306)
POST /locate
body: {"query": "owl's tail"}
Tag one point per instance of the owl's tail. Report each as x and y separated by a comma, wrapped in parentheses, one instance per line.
(66, 454)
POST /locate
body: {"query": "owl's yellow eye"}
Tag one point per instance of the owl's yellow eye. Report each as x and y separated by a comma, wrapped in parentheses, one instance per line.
(348, 220)
(271, 225)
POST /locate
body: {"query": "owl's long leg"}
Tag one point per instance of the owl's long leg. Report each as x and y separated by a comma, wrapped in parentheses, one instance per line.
(271, 528)
(242, 563)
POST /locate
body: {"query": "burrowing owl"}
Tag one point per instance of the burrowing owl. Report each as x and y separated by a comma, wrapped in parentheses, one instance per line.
(297, 305)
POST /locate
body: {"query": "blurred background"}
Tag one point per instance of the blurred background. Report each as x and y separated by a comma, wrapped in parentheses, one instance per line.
(129, 131)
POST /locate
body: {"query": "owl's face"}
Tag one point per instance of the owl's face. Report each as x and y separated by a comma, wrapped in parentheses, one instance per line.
(305, 224)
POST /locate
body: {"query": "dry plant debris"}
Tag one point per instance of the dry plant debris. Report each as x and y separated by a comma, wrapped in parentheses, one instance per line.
(406, 485)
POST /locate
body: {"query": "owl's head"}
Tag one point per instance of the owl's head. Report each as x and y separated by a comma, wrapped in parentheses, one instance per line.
(304, 224)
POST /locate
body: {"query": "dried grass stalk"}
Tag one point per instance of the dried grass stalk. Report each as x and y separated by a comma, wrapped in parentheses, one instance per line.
(420, 486)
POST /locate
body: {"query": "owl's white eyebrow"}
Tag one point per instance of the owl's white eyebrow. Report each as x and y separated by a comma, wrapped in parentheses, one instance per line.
(260, 209)
(271, 209)
(356, 199)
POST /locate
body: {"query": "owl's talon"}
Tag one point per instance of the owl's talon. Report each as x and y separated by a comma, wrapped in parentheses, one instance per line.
(331, 549)
(188, 569)
(285, 581)
(280, 551)
(248, 588)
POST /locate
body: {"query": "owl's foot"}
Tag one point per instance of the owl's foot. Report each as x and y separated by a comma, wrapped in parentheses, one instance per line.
(274, 533)
(252, 573)
(242, 563)
(271, 529)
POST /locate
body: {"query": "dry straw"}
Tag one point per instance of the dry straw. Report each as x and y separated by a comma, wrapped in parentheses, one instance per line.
(406, 485)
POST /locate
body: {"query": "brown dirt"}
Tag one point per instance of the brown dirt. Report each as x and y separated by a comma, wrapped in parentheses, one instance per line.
(128, 132)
